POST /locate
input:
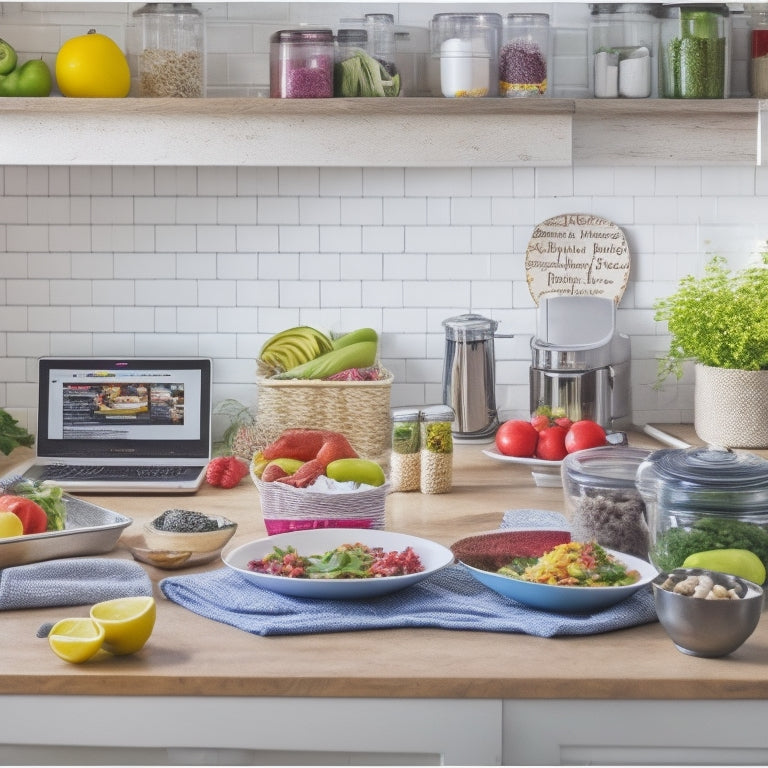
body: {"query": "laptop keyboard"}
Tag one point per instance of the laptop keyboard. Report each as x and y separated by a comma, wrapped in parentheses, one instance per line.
(98, 473)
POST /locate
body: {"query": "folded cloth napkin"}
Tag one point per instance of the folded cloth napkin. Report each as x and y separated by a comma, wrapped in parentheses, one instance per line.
(449, 599)
(71, 581)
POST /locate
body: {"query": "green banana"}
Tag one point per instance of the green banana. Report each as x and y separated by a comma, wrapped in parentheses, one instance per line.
(361, 354)
(361, 334)
(293, 347)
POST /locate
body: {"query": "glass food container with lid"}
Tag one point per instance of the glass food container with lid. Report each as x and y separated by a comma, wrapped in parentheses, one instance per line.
(301, 64)
(467, 46)
(695, 51)
(171, 56)
(436, 448)
(524, 55)
(704, 498)
(602, 500)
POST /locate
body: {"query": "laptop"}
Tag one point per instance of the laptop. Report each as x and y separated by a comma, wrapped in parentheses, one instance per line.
(123, 425)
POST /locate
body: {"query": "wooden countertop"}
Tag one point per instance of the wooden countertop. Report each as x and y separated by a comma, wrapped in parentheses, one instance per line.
(190, 655)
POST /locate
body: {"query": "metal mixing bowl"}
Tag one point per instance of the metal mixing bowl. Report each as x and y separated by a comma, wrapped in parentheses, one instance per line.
(708, 628)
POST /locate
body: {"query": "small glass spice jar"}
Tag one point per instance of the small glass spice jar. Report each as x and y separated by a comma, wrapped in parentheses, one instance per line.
(301, 64)
(467, 45)
(623, 44)
(695, 52)
(758, 47)
(171, 56)
(405, 461)
(436, 449)
(524, 55)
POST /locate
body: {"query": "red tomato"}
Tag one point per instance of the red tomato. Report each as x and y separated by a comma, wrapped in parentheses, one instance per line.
(584, 434)
(32, 515)
(540, 421)
(517, 438)
(551, 445)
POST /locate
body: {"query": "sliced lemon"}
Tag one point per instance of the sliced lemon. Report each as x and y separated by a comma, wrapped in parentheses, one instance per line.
(76, 640)
(127, 622)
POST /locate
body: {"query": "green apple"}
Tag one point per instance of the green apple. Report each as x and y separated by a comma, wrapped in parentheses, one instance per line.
(30, 79)
(356, 471)
(7, 57)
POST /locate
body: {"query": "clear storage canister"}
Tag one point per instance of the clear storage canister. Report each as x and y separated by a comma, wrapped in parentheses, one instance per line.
(405, 461)
(758, 48)
(623, 44)
(602, 501)
(301, 64)
(381, 39)
(436, 449)
(171, 55)
(524, 55)
(467, 46)
(704, 498)
(695, 52)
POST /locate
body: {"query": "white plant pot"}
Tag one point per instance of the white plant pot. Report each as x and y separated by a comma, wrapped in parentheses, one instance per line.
(731, 407)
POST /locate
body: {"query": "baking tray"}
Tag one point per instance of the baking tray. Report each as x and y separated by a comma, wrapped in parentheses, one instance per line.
(90, 530)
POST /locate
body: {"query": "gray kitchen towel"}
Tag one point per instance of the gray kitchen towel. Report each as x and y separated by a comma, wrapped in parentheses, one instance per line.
(449, 599)
(71, 581)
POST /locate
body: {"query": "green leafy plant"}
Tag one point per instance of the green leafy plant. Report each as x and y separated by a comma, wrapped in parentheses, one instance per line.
(720, 319)
(12, 434)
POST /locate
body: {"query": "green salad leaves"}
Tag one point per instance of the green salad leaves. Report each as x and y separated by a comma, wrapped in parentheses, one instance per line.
(12, 435)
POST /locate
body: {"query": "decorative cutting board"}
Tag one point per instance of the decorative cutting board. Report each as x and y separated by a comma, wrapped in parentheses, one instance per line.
(577, 254)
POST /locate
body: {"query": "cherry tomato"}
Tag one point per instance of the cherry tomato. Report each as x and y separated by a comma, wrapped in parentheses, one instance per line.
(517, 438)
(551, 445)
(32, 515)
(584, 434)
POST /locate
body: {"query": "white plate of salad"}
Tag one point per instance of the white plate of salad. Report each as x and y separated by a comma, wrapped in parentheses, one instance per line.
(338, 563)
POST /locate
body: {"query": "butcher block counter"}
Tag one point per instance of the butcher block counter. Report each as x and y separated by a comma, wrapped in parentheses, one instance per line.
(409, 695)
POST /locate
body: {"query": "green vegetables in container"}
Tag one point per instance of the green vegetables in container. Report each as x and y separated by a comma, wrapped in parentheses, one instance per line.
(436, 449)
(361, 75)
(694, 52)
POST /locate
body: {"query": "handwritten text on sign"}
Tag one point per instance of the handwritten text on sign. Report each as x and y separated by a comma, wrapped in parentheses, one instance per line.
(577, 254)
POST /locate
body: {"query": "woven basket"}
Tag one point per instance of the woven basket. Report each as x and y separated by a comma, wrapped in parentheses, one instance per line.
(286, 508)
(731, 407)
(360, 410)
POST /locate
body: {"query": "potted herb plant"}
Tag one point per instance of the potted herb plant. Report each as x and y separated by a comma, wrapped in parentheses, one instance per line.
(720, 320)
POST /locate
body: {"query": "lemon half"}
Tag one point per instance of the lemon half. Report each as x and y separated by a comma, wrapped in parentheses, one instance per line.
(76, 640)
(127, 622)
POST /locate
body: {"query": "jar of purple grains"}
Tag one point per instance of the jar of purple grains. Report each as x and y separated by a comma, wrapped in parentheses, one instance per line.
(524, 55)
(301, 64)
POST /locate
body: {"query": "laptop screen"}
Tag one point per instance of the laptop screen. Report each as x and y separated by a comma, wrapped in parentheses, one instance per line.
(124, 408)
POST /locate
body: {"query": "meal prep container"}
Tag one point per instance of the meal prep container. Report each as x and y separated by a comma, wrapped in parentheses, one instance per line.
(683, 487)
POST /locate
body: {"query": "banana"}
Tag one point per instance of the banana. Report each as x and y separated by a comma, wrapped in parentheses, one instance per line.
(293, 347)
(360, 354)
(361, 334)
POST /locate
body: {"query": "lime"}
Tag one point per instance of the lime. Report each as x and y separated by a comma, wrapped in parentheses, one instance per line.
(357, 471)
(76, 640)
(127, 622)
(10, 525)
(738, 562)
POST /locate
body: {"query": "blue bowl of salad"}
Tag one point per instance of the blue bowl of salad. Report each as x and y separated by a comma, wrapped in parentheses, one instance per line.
(603, 577)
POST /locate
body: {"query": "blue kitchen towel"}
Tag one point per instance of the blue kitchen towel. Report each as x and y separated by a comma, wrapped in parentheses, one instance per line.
(449, 599)
(71, 581)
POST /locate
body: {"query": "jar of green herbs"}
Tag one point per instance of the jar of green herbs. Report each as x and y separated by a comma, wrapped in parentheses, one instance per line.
(694, 52)
(405, 461)
(436, 449)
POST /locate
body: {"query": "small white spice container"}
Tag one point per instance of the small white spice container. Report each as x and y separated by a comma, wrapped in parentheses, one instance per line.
(467, 46)
(171, 56)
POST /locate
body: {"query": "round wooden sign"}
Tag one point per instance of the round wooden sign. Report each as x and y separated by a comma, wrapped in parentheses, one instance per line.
(577, 254)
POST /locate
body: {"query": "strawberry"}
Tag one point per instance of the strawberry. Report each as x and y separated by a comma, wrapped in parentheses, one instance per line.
(540, 421)
(225, 471)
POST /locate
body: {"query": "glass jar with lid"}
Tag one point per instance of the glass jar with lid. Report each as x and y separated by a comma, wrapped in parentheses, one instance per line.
(758, 50)
(301, 64)
(436, 448)
(467, 46)
(623, 45)
(171, 55)
(524, 55)
(602, 500)
(704, 498)
(695, 52)
(405, 461)
(381, 37)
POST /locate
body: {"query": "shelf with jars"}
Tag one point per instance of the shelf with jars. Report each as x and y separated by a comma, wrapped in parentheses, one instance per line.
(370, 132)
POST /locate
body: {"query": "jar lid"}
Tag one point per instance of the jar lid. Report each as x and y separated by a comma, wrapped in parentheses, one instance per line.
(469, 327)
(528, 18)
(606, 8)
(302, 36)
(352, 36)
(437, 413)
(605, 467)
(177, 9)
(405, 413)
(708, 467)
